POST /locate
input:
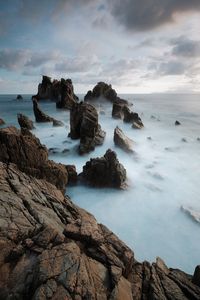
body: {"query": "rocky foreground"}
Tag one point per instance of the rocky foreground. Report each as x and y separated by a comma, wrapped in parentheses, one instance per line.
(51, 249)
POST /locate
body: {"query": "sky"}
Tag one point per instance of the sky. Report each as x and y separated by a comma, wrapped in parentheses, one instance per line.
(138, 46)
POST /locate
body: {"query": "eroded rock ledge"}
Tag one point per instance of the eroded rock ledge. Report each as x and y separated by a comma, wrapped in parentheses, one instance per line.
(51, 249)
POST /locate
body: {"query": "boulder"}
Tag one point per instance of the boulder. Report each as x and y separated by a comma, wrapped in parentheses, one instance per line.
(25, 122)
(122, 141)
(52, 249)
(177, 123)
(104, 172)
(57, 123)
(68, 98)
(84, 126)
(26, 151)
(40, 117)
(2, 122)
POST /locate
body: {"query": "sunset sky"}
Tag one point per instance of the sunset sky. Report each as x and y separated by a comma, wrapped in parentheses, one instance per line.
(139, 46)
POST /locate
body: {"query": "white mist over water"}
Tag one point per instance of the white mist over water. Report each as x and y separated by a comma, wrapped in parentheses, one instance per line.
(163, 175)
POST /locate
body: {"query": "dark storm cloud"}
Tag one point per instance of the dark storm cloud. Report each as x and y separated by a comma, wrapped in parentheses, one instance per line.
(148, 14)
(185, 47)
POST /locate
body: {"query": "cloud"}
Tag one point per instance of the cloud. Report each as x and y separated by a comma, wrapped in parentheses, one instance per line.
(77, 64)
(185, 47)
(172, 68)
(148, 14)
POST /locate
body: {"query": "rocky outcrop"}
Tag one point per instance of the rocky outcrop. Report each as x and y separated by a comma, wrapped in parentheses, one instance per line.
(26, 151)
(40, 116)
(177, 123)
(51, 249)
(68, 98)
(84, 125)
(19, 97)
(25, 122)
(117, 110)
(122, 141)
(105, 171)
(104, 91)
(61, 91)
(2, 122)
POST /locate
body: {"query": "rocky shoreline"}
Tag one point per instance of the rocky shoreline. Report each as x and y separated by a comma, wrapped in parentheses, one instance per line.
(49, 247)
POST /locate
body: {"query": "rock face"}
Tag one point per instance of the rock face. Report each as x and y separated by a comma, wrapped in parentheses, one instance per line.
(105, 91)
(104, 172)
(61, 91)
(25, 122)
(122, 141)
(68, 98)
(26, 151)
(84, 125)
(2, 122)
(51, 249)
(40, 117)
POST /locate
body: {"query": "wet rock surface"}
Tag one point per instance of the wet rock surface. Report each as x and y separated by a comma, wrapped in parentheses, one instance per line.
(105, 171)
(40, 116)
(122, 141)
(25, 122)
(25, 150)
(84, 126)
(52, 249)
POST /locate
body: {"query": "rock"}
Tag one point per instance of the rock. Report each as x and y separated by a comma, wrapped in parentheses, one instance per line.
(196, 276)
(184, 140)
(122, 141)
(104, 172)
(2, 122)
(57, 123)
(84, 125)
(195, 215)
(66, 150)
(149, 138)
(40, 117)
(72, 174)
(25, 122)
(198, 139)
(52, 249)
(177, 123)
(54, 90)
(68, 98)
(19, 97)
(117, 110)
(26, 151)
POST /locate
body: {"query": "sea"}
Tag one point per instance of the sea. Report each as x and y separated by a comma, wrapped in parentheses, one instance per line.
(163, 174)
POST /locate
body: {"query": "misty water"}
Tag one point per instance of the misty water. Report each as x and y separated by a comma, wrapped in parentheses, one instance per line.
(163, 174)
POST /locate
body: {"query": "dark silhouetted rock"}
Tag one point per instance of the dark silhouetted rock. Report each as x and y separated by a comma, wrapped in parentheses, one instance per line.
(2, 122)
(132, 117)
(51, 249)
(26, 151)
(25, 122)
(196, 276)
(177, 123)
(72, 174)
(104, 172)
(19, 97)
(84, 125)
(122, 141)
(57, 123)
(68, 98)
(40, 117)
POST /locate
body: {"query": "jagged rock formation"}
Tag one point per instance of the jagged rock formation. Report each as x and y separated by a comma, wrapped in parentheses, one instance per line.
(117, 110)
(51, 249)
(104, 91)
(26, 151)
(25, 122)
(68, 98)
(61, 91)
(105, 171)
(122, 141)
(177, 123)
(40, 116)
(84, 125)
(2, 122)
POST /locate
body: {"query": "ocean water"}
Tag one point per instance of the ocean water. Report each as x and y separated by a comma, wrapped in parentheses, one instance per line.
(163, 174)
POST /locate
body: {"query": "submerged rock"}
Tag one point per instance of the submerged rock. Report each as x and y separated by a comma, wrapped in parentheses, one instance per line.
(57, 123)
(84, 125)
(2, 122)
(52, 249)
(195, 215)
(26, 151)
(122, 141)
(104, 172)
(40, 117)
(177, 123)
(25, 122)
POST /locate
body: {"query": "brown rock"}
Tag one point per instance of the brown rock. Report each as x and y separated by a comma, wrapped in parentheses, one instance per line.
(68, 98)
(104, 172)
(84, 125)
(25, 150)
(72, 174)
(122, 141)
(39, 115)
(2, 122)
(25, 122)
